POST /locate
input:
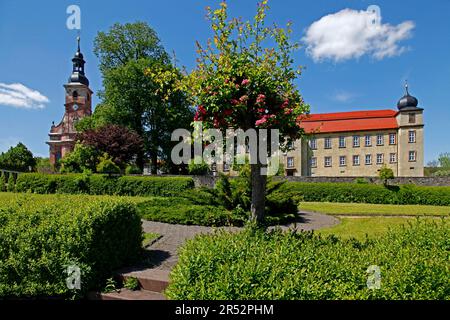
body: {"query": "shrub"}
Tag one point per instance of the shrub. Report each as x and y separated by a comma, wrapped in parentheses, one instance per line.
(3, 182)
(199, 169)
(42, 235)
(11, 183)
(106, 165)
(256, 265)
(386, 174)
(100, 184)
(365, 193)
(132, 169)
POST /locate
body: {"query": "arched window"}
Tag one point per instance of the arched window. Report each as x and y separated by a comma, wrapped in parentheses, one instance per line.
(75, 94)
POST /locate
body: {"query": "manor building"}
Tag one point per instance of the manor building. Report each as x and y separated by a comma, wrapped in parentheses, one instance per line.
(359, 143)
(78, 101)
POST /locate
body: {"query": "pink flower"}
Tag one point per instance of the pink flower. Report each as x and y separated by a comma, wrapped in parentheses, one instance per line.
(245, 82)
(288, 111)
(243, 99)
(234, 102)
(260, 121)
(262, 110)
(227, 80)
(201, 110)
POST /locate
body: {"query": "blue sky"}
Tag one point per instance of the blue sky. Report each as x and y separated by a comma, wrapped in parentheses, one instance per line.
(365, 69)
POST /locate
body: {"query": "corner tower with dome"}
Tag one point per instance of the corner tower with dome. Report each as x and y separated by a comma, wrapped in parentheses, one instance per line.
(78, 104)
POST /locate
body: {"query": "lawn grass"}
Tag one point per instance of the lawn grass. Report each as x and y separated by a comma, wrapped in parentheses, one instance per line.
(371, 226)
(334, 208)
(149, 238)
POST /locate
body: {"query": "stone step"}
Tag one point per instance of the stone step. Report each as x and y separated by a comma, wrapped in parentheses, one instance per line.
(125, 294)
(154, 280)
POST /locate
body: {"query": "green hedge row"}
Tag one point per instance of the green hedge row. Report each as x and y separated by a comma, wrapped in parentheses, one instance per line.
(40, 236)
(256, 265)
(102, 184)
(366, 193)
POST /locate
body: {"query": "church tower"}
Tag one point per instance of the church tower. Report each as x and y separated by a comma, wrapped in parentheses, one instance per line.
(78, 102)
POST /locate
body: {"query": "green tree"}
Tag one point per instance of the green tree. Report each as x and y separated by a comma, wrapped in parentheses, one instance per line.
(18, 158)
(43, 165)
(106, 165)
(198, 169)
(444, 160)
(130, 97)
(80, 159)
(3, 182)
(245, 79)
(11, 183)
(386, 174)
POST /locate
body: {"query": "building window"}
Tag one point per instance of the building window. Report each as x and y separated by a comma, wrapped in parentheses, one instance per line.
(392, 157)
(328, 143)
(290, 162)
(356, 160)
(341, 142)
(412, 156)
(392, 138)
(368, 141)
(368, 159)
(412, 118)
(412, 136)
(313, 143)
(380, 140)
(380, 158)
(313, 162)
(290, 145)
(226, 167)
(355, 141)
(327, 161)
(342, 161)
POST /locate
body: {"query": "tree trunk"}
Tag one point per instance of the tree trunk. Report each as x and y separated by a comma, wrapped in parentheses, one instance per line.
(258, 193)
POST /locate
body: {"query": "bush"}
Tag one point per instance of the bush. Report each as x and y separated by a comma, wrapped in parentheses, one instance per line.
(3, 182)
(256, 265)
(11, 183)
(132, 169)
(198, 169)
(386, 174)
(41, 235)
(100, 184)
(106, 165)
(366, 193)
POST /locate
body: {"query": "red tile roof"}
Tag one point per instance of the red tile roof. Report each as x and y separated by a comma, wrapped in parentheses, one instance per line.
(349, 121)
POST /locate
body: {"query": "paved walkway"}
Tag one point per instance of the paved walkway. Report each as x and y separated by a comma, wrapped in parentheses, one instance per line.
(163, 253)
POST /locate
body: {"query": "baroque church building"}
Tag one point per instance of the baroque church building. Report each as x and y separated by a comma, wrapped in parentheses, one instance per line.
(78, 104)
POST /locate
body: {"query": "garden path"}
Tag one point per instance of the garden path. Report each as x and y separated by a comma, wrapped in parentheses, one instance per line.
(164, 251)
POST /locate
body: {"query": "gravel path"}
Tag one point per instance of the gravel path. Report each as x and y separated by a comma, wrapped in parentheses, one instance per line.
(164, 251)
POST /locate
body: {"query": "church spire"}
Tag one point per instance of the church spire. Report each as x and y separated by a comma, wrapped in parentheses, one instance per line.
(78, 75)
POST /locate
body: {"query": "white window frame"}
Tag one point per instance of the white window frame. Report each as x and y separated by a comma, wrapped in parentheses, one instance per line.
(288, 160)
(313, 162)
(382, 158)
(414, 158)
(341, 142)
(356, 141)
(342, 161)
(356, 160)
(380, 140)
(412, 136)
(313, 143)
(327, 142)
(325, 162)
(392, 138)
(368, 156)
(368, 140)
(393, 157)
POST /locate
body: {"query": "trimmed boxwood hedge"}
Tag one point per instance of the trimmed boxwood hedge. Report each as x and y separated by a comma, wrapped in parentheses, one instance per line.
(366, 193)
(254, 264)
(41, 235)
(102, 184)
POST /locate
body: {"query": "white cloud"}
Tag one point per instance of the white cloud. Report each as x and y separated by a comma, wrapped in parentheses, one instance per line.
(19, 96)
(350, 34)
(343, 96)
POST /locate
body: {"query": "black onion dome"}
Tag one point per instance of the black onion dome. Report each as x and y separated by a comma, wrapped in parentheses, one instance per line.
(407, 101)
(78, 75)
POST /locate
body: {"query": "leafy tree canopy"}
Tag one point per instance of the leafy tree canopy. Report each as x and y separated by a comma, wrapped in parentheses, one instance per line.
(17, 158)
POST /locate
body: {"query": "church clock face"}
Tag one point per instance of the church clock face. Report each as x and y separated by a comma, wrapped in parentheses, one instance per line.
(75, 107)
